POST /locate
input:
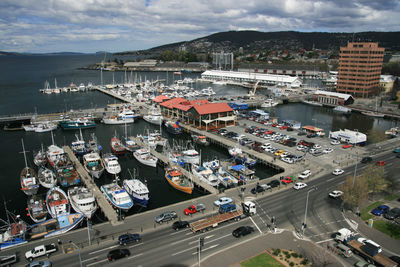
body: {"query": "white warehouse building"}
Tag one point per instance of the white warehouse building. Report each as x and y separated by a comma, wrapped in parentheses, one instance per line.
(349, 136)
(247, 77)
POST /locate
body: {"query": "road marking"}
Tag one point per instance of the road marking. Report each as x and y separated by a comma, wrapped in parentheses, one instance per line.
(207, 237)
(140, 254)
(330, 179)
(219, 238)
(97, 251)
(323, 241)
(182, 251)
(255, 225)
(136, 245)
(183, 240)
(213, 246)
(188, 233)
(97, 262)
(90, 259)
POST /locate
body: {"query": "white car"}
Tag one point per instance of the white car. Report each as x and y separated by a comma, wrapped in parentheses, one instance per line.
(298, 186)
(335, 142)
(305, 174)
(222, 201)
(327, 150)
(335, 194)
(239, 137)
(316, 146)
(369, 242)
(337, 172)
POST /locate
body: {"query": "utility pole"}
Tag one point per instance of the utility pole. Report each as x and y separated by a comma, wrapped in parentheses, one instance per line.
(201, 244)
(304, 226)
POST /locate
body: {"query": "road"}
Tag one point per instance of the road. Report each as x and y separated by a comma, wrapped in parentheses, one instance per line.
(163, 245)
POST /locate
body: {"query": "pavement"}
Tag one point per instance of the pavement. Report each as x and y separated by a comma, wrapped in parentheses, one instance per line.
(241, 251)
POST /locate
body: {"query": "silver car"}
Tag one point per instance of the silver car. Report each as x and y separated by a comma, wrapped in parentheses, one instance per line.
(166, 216)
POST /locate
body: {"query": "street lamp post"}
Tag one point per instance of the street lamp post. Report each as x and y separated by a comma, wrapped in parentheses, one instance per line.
(355, 170)
(305, 214)
(79, 252)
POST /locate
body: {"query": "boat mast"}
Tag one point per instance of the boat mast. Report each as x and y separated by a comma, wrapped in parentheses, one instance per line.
(23, 151)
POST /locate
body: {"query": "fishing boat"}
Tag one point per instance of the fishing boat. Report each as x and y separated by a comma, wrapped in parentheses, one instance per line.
(46, 177)
(129, 144)
(45, 127)
(29, 183)
(79, 123)
(54, 154)
(269, 103)
(116, 145)
(191, 156)
(214, 165)
(93, 164)
(200, 140)
(143, 156)
(137, 190)
(39, 158)
(55, 226)
(79, 145)
(36, 208)
(226, 179)
(82, 200)
(57, 202)
(154, 116)
(66, 173)
(117, 196)
(177, 180)
(13, 232)
(245, 160)
(235, 151)
(153, 139)
(111, 164)
(172, 127)
(92, 145)
(206, 175)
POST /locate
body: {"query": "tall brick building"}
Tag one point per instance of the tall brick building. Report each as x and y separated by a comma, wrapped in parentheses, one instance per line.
(360, 67)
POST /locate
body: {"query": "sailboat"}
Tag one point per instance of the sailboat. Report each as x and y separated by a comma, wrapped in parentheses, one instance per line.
(375, 113)
(12, 233)
(29, 183)
(129, 144)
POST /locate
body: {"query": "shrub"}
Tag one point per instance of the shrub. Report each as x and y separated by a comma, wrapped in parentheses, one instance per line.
(295, 255)
(304, 262)
(291, 263)
(288, 256)
(277, 252)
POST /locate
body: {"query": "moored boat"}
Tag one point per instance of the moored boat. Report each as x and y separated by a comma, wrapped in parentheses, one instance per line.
(154, 116)
(46, 177)
(143, 156)
(36, 208)
(66, 173)
(172, 127)
(40, 158)
(13, 233)
(80, 123)
(28, 179)
(117, 196)
(191, 156)
(200, 140)
(178, 181)
(137, 190)
(111, 164)
(125, 116)
(342, 109)
(93, 164)
(92, 145)
(45, 127)
(235, 151)
(82, 200)
(79, 145)
(57, 202)
(116, 145)
(206, 175)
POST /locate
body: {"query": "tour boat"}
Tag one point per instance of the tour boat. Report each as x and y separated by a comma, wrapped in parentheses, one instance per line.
(56, 226)
(36, 208)
(28, 179)
(172, 127)
(137, 190)
(80, 123)
(93, 164)
(178, 181)
(191, 156)
(82, 200)
(57, 202)
(46, 177)
(111, 164)
(143, 156)
(205, 175)
(116, 145)
(117, 196)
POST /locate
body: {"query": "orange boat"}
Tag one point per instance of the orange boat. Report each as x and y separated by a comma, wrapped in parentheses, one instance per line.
(177, 180)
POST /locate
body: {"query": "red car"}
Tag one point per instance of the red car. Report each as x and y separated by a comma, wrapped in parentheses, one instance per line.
(347, 146)
(274, 125)
(284, 127)
(268, 132)
(381, 163)
(287, 180)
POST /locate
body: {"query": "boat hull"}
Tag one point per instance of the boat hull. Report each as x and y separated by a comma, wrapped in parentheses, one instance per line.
(187, 190)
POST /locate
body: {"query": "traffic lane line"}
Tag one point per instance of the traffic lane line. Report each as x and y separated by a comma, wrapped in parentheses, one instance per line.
(207, 237)
(255, 225)
(182, 251)
(137, 255)
(94, 258)
(97, 262)
(213, 246)
(136, 245)
(97, 251)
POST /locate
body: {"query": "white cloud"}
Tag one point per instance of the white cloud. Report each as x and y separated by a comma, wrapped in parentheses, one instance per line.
(84, 25)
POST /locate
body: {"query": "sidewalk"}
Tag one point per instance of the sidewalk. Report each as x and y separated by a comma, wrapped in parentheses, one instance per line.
(235, 254)
(389, 244)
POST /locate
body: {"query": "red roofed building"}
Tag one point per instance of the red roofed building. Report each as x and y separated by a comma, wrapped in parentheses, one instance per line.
(160, 98)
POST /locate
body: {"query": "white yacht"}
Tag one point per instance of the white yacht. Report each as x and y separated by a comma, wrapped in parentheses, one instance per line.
(45, 127)
(269, 103)
(93, 164)
(143, 156)
(138, 191)
(111, 164)
(82, 200)
(154, 116)
(191, 156)
(342, 109)
(46, 177)
(125, 116)
(206, 175)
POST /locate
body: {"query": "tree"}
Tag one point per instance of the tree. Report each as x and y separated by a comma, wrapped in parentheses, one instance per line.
(377, 135)
(375, 177)
(354, 193)
(393, 184)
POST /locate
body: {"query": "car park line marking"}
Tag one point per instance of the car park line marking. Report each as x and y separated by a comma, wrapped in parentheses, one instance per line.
(90, 259)
(255, 225)
(182, 251)
(100, 250)
(136, 245)
(140, 254)
(213, 246)
(97, 262)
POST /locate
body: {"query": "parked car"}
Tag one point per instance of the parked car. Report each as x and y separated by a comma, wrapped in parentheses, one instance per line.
(222, 201)
(260, 188)
(287, 180)
(39, 264)
(242, 231)
(382, 209)
(180, 224)
(392, 214)
(166, 216)
(335, 194)
(381, 163)
(298, 186)
(128, 238)
(347, 146)
(305, 174)
(327, 150)
(366, 159)
(116, 254)
(337, 172)
(335, 142)
(274, 183)
(194, 208)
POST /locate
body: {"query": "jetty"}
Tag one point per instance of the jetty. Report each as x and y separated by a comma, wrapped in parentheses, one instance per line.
(186, 173)
(104, 205)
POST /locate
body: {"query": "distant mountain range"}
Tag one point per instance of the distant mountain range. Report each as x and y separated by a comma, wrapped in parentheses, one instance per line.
(255, 41)
(3, 53)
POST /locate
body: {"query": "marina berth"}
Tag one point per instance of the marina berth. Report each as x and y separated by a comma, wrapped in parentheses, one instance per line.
(82, 201)
(46, 177)
(57, 202)
(93, 164)
(111, 164)
(36, 208)
(178, 181)
(117, 196)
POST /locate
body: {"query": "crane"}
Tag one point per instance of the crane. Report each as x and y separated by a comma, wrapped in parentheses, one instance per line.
(252, 92)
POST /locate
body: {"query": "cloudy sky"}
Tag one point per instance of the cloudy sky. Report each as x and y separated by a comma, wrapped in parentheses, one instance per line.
(121, 25)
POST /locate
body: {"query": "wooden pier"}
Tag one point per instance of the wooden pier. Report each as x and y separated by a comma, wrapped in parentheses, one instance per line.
(104, 205)
(186, 173)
